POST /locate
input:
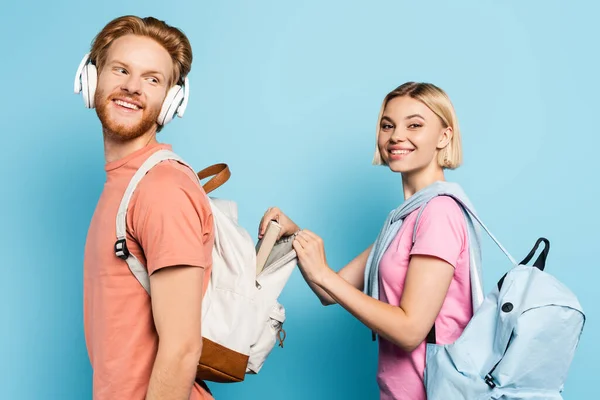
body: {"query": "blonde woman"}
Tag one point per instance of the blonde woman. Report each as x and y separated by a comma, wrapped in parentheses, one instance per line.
(412, 286)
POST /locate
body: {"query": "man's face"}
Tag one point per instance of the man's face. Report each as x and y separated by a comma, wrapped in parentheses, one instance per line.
(132, 85)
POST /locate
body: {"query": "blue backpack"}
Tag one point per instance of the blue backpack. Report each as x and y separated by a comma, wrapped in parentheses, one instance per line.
(519, 344)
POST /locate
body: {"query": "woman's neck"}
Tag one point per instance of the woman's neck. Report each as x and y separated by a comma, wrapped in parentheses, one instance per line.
(417, 180)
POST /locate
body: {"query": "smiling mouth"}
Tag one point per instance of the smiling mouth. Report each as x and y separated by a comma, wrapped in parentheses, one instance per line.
(400, 152)
(127, 105)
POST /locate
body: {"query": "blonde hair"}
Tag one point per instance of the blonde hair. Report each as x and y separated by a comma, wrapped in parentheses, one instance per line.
(171, 38)
(437, 100)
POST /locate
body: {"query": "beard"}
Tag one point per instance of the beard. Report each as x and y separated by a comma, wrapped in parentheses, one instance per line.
(123, 132)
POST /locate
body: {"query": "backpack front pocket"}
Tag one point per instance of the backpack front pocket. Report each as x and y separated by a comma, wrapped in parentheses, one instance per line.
(271, 334)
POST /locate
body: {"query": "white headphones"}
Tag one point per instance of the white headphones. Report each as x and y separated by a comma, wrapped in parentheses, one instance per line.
(175, 102)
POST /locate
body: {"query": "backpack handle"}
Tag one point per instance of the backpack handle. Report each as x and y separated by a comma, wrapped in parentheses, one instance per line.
(541, 260)
(221, 175)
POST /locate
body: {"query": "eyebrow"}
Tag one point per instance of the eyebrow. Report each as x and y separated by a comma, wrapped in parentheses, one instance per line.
(147, 72)
(385, 117)
(415, 116)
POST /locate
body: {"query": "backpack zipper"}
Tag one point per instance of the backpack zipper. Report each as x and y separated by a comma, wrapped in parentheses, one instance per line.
(283, 260)
(289, 256)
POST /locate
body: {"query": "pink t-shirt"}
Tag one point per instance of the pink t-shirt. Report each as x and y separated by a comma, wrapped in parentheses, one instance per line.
(169, 222)
(441, 232)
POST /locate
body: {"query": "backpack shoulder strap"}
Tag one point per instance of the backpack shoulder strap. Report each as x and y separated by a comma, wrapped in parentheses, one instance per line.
(473, 215)
(121, 250)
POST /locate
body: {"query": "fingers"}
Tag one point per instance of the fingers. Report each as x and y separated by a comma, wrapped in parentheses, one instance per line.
(265, 220)
(300, 243)
(307, 240)
(301, 249)
(312, 236)
(297, 245)
(301, 240)
(271, 214)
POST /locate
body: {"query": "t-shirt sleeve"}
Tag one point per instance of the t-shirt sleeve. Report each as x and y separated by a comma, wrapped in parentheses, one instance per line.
(172, 219)
(441, 231)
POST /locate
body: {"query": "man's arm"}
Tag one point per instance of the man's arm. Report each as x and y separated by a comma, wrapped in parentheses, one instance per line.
(176, 305)
(172, 221)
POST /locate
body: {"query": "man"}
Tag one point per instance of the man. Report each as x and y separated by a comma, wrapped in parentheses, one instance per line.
(141, 346)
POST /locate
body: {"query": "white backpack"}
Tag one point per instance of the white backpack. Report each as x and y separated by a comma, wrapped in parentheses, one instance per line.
(241, 317)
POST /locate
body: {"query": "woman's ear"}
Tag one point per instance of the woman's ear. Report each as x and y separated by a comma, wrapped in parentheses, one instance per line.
(445, 137)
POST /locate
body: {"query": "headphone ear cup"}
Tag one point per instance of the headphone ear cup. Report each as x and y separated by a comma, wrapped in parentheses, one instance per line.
(170, 105)
(89, 81)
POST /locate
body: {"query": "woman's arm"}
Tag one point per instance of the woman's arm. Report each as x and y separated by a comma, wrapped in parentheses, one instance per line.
(441, 237)
(353, 273)
(425, 289)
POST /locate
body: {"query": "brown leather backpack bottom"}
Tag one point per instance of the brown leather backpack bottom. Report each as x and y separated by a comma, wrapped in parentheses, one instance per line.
(220, 364)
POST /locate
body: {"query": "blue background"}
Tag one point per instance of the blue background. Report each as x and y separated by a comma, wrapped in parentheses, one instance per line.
(288, 93)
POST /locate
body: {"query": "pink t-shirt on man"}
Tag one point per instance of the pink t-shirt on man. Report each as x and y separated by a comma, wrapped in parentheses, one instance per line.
(169, 222)
(441, 232)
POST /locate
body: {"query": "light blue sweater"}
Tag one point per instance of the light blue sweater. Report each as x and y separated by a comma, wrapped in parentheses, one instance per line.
(417, 201)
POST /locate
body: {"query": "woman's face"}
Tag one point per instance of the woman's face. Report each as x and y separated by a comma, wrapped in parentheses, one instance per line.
(410, 135)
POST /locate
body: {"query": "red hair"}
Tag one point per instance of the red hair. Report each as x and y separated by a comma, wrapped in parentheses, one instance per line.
(172, 39)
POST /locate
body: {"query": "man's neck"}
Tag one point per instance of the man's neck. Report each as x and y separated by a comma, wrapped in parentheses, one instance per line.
(116, 150)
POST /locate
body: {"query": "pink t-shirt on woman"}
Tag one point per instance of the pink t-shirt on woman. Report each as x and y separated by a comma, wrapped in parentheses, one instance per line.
(441, 232)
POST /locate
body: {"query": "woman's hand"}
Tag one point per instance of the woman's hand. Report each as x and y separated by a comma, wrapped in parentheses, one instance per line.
(311, 256)
(288, 227)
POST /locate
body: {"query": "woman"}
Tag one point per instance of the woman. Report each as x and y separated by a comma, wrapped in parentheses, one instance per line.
(417, 273)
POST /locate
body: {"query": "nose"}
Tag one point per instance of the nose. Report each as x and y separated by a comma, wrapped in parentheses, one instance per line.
(132, 85)
(398, 135)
